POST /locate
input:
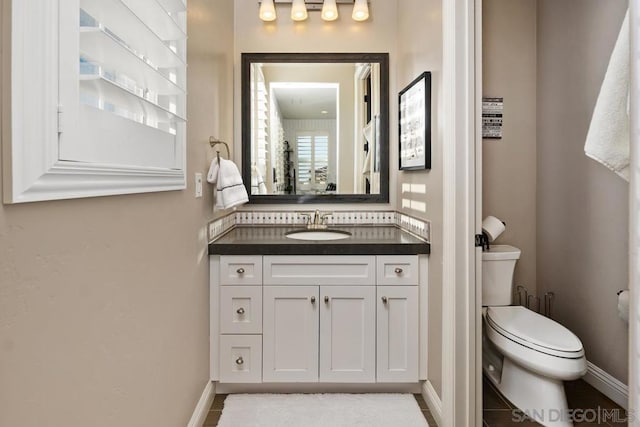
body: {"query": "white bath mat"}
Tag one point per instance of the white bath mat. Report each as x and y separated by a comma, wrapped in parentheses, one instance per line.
(321, 410)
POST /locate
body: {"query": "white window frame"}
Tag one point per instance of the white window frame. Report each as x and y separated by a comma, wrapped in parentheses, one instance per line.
(313, 135)
(31, 166)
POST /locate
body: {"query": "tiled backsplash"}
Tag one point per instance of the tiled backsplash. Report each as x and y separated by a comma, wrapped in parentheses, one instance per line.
(336, 218)
(414, 225)
(417, 226)
(221, 225)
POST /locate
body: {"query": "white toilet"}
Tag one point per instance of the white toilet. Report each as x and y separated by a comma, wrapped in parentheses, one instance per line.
(527, 356)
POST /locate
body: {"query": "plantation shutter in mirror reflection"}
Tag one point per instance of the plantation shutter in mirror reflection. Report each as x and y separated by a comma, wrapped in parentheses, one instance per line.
(124, 100)
(260, 123)
(313, 158)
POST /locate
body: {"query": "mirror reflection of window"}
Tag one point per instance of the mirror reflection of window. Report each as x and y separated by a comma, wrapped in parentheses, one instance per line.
(313, 161)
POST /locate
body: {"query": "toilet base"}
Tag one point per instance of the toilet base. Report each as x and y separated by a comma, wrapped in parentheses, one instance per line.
(541, 398)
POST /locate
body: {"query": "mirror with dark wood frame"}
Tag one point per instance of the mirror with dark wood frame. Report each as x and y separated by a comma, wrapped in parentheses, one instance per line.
(315, 127)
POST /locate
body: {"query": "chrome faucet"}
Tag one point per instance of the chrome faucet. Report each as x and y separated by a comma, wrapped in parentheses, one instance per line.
(317, 220)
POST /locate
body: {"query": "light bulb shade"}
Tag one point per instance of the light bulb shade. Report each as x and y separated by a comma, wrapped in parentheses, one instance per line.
(360, 10)
(329, 10)
(298, 10)
(267, 10)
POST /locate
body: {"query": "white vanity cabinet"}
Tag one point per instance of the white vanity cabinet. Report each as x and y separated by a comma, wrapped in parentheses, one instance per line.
(317, 319)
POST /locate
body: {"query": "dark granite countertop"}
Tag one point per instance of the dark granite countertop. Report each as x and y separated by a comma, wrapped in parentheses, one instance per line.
(365, 240)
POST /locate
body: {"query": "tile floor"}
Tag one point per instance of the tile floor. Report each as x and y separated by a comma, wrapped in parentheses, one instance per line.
(498, 412)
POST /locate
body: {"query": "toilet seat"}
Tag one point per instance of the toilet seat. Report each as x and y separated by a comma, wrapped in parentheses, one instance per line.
(535, 331)
(514, 332)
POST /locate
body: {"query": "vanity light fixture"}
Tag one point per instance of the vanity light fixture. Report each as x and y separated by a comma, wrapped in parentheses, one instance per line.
(360, 11)
(267, 10)
(299, 9)
(329, 10)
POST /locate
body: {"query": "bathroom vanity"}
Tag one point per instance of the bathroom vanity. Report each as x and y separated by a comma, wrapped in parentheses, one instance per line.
(351, 311)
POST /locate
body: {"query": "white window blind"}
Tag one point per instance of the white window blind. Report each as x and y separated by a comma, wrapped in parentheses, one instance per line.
(132, 78)
(313, 157)
(108, 103)
(260, 122)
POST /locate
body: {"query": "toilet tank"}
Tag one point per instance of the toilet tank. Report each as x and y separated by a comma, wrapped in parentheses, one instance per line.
(498, 264)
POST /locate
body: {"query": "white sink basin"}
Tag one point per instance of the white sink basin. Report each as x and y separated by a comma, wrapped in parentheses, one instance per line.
(318, 235)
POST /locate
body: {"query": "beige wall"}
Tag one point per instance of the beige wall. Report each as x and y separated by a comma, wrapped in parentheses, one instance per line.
(509, 164)
(420, 49)
(581, 206)
(104, 301)
(566, 213)
(378, 34)
(211, 73)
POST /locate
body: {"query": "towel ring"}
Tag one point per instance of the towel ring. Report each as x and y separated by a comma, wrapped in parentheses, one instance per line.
(214, 141)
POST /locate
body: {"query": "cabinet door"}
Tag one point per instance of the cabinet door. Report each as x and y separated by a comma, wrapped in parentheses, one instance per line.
(290, 334)
(397, 336)
(347, 334)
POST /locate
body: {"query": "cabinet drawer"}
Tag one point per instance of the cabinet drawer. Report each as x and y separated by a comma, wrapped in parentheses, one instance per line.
(241, 270)
(319, 270)
(240, 358)
(241, 310)
(397, 270)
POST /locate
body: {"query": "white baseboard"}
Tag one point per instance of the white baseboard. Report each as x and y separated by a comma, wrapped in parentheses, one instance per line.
(607, 385)
(202, 408)
(433, 401)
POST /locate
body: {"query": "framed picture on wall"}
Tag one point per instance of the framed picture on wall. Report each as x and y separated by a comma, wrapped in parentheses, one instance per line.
(415, 124)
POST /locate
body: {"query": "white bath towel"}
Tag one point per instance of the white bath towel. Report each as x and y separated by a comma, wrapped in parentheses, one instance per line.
(608, 137)
(230, 191)
(257, 182)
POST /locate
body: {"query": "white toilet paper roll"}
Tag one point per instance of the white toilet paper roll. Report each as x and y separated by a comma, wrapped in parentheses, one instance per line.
(492, 227)
(623, 305)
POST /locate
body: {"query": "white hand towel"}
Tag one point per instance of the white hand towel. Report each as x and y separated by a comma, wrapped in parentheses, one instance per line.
(230, 189)
(608, 137)
(366, 168)
(257, 182)
(212, 175)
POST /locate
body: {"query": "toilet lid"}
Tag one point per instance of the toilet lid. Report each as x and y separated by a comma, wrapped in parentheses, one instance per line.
(529, 328)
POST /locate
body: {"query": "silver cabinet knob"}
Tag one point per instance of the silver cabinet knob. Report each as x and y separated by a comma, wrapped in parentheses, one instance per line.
(313, 300)
(240, 270)
(326, 300)
(398, 270)
(239, 361)
(240, 310)
(384, 300)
